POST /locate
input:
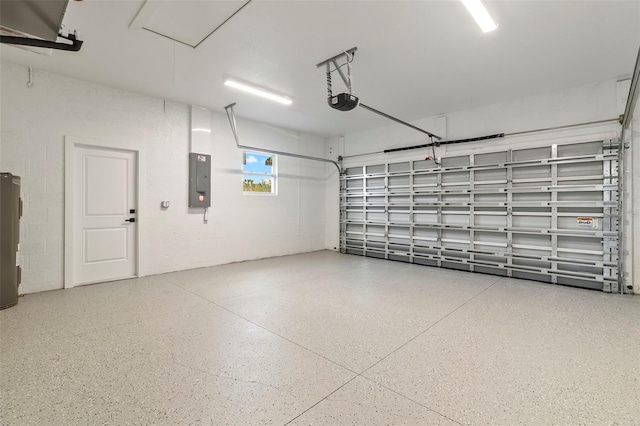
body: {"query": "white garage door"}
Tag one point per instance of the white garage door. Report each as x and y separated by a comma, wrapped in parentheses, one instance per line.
(548, 213)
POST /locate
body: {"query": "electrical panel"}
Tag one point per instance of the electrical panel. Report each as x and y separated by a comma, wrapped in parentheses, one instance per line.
(199, 180)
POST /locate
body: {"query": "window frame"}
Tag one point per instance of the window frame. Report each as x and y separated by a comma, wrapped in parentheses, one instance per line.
(273, 175)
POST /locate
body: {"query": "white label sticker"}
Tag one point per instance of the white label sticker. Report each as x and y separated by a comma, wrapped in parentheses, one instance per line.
(587, 222)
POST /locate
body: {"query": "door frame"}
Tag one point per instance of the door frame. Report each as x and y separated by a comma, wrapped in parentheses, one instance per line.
(70, 144)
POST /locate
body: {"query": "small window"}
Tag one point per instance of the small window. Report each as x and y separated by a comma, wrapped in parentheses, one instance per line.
(258, 173)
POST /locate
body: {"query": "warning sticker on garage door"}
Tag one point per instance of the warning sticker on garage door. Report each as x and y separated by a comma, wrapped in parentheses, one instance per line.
(587, 222)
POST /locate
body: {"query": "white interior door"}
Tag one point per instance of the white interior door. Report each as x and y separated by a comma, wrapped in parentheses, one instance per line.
(104, 227)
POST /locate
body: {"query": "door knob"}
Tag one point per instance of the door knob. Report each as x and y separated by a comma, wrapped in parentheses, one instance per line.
(132, 220)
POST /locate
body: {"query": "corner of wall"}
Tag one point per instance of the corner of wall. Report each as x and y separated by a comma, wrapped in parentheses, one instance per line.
(334, 147)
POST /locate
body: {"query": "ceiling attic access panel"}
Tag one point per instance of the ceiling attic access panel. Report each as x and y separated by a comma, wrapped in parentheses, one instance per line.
(185, 21)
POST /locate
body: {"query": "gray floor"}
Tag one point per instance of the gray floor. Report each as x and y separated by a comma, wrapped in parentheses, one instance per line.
(321, 338)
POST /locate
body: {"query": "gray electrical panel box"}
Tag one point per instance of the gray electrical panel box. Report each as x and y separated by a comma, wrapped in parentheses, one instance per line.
(10, 212)
(199, 180)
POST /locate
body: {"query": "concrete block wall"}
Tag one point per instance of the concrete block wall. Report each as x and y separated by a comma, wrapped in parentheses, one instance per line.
(35, 121)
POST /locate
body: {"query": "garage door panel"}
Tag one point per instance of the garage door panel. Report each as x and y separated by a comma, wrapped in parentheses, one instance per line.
(425, 199)
(393, 199)
(580, 211)
(425, 218)
(459, 161)
(425, 261)
(355, 215)
(493, 221)
(455, 198)
(491, 158)
(422, 165)
(538, 265)
(533, 211)
(429, 234)
(574, 282)
(582, 196)
(531, 197)
(399, 167)
(538, 222)
(425, 180)
(490, 198)
(373, 245)
(497, 186)
(373, 169)
(353, 171)
(460, 266)
(586, 169)
(594, 258)
(375, 198)
(580, 269)
(525, 239)
(354, 185)
(524, 275)
(586, 243)
(490, 237)
(481, 176)
(398, 216)
(569, 182)
(455, 219)
(455, 239)
(426, 251)
(487, 259)
(456, 178)
(355, 228)
(532, 173)
(574, 223)
(580, 149)
(489, 270)
(531, 154)
(398, 181)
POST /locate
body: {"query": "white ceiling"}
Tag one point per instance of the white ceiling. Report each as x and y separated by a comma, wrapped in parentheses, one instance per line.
(415, 58)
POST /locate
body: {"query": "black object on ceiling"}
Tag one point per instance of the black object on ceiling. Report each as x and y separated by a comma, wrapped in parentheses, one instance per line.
(36, 23)
(36, 42)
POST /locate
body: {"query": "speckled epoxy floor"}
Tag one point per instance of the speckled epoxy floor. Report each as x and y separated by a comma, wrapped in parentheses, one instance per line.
(321, 339)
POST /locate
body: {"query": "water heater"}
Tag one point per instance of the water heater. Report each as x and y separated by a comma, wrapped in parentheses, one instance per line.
(10, 213)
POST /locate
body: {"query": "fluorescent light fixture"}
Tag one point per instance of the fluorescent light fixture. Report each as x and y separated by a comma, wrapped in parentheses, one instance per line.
(257, 91)
(480, 14)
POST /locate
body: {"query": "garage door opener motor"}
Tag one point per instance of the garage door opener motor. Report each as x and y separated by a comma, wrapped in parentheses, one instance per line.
(347, 101)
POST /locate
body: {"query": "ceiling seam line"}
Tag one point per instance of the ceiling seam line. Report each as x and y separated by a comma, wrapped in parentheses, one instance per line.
(170, 38)
(219, 26)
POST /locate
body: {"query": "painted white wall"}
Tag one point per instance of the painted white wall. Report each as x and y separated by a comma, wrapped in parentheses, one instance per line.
(572, 106)
(35, 121)
(333, 148)
(581, 104)
(200, 129)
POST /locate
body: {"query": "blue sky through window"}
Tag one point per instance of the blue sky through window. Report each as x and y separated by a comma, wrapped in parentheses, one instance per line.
(255, 163)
